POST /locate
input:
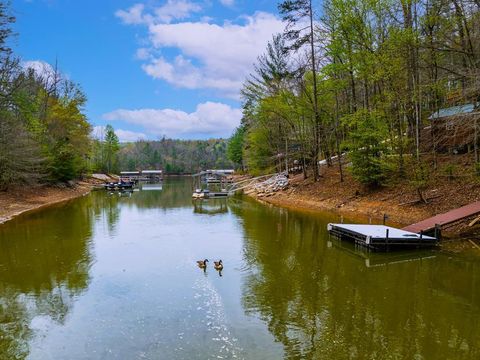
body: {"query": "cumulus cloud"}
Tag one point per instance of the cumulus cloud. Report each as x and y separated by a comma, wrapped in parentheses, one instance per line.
(41, 68)
(182, 73)
(211, 56)
(129, 136)
(223, 54)
(143, 54)
(210, 119)
(98, 132)
(176, 9)
(171, 10)
(133, 15)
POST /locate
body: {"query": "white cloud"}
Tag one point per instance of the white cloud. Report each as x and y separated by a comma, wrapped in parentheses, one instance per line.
(41, 68)
(228, 2)
(133, 15)
(176, 9)
(211, 56)
(210, 119)
(171, 10)
(143, 54)
(98, 132)
(182, 73)
(129, 136)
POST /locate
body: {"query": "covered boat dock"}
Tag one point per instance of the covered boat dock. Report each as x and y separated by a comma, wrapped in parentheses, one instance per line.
(143, 175)
(218, 179)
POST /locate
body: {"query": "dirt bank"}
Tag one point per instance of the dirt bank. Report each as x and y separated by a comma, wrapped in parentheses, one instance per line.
(21, 199)
(398, 201)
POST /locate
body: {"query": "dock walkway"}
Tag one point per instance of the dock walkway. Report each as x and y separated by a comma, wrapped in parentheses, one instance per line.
(447, 218)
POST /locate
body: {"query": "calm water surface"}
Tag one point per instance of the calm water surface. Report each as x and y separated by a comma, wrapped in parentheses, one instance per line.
(115, 277)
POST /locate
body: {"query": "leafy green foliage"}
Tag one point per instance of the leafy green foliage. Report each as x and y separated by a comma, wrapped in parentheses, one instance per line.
(44, 135)
(383, 66)
(366, 146)
(235, 147)
(174, 156)
(112, 146)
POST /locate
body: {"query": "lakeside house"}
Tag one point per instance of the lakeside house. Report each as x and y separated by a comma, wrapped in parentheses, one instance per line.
(454, 129)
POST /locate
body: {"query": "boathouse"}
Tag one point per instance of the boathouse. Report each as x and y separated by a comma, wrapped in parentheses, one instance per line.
(217, 179)
(143, 175)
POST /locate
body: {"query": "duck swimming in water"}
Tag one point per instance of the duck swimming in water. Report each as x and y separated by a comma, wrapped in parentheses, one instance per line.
(218, 265)
(202, 264)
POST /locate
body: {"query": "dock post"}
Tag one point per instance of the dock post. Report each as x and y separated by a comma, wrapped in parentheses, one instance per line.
(438, 232)
(385, 217)
(386, 238)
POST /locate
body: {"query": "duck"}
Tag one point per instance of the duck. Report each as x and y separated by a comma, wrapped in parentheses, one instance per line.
(218, 265)
(202, 264)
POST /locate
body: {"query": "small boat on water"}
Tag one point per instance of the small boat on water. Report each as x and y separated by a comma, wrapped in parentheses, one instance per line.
(122, 185)
(201, 194)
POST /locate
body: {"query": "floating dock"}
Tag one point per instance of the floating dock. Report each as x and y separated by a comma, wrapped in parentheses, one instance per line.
(380, 237)
(207, 194)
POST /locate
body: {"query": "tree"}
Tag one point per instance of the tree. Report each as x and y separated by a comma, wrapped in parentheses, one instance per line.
(296, 12)
(112, 146)
(20, 159)
(235, 147)
(366, 146)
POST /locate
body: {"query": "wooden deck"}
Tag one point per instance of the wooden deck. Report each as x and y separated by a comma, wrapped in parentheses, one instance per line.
(447, 218)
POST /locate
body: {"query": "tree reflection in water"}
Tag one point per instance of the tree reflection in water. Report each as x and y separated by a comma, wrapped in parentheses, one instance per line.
(321, 302)
(45, 259)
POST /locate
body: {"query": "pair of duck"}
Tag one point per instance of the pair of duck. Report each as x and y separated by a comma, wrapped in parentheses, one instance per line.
(218, 265)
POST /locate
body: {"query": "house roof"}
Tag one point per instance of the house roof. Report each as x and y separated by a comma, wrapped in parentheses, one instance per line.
(453, 111)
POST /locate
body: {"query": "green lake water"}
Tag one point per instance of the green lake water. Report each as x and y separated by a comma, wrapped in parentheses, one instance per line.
(115, 277)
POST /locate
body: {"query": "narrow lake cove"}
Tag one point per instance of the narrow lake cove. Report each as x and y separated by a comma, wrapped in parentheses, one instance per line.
(115, 277)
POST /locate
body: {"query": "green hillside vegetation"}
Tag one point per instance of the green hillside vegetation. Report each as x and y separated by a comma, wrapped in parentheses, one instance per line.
(174, 156)
(361, 78)
(44, 133)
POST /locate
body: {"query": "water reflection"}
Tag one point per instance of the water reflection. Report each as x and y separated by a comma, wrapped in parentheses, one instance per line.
(109, 276)
(210, 206)
(42, 270)
(325, 302)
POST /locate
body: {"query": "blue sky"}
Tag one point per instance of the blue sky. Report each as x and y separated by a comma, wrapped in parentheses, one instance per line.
(151, 68)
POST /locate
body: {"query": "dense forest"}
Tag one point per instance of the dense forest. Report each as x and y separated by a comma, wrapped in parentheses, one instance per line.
(175, 156)
(44, 133)
(361, 79)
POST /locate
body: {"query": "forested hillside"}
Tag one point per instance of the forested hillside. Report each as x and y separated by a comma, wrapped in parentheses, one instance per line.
(174, 156)
(362, 78)
(44, 133)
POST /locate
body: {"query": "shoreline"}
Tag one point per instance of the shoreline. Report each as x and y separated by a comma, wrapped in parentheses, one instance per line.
(21, 200)
(353, 202)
